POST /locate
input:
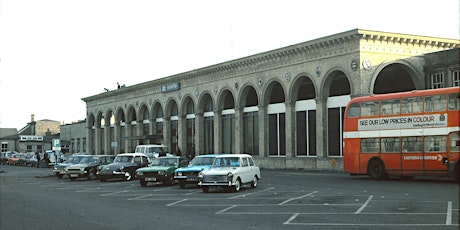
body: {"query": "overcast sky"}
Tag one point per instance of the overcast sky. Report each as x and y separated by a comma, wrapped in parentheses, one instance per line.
(55, 52)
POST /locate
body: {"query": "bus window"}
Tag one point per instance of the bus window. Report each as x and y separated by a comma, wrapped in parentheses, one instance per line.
(435, 144)
(435, 103)
(411, 144)
(390, 145)
(412, 105)
(454, 101)
(354, 110)
(370, 108)
(454, 142)
(370, 145)
(390, 107)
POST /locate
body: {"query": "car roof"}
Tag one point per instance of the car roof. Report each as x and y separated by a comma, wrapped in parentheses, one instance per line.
(132, 154)
(233, 155)
(209, 155)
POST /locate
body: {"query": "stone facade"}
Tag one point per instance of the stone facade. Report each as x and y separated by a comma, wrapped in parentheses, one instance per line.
(282, 106)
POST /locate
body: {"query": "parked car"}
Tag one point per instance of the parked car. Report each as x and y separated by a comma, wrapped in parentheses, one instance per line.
(160, 170)
(14, 159)
(153, 151)
(189, 174)
(124, 166)
(59, 168)
(230, 171)
(87, 167)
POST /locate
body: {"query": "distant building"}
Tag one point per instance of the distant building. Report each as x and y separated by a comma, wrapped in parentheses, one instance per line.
(36, 136)
(8, 138)
(73, 137)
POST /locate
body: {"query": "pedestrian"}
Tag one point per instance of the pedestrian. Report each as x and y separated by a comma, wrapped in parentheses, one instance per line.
(178, 153)
(162, 153)
(45, 160)
(37, 155)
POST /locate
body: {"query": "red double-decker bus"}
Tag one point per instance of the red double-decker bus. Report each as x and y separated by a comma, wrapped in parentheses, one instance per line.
(403, 134)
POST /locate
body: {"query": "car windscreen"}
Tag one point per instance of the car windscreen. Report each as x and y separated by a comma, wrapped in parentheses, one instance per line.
(164, 162)
(123, 159)
(87, 160)
(226, 162)
(202, 161)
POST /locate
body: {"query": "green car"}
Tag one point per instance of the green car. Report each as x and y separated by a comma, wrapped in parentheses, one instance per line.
(160, 170)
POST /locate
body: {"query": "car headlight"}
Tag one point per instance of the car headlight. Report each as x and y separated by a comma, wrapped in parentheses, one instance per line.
(139, 173)
(179, 173)
(121, 168)
(55, 168)
(161, 172)
(201, 174)
(230, 175)
(99, 168)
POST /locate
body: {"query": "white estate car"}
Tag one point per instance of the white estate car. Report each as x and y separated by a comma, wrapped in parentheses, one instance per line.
(231, 171)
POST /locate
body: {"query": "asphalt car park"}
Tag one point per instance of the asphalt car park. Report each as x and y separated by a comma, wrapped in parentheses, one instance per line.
(282, 200)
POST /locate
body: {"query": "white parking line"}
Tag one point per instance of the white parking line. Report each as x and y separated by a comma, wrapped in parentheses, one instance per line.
(248, 194)
(296, 198)
(113, 193)
(291, 218)
(225, 209)
(449, 213)
(177, 202)
(364, 205)
(140, 197)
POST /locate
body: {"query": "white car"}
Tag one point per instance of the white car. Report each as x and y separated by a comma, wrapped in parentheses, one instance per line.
(230, 171)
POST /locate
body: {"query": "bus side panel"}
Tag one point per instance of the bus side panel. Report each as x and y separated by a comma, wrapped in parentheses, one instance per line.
(392, 162)
(351, 156)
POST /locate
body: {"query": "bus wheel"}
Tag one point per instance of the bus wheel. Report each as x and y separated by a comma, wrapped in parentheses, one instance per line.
(376, 169)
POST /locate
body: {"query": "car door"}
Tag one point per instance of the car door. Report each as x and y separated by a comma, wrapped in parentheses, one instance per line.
(245, 170)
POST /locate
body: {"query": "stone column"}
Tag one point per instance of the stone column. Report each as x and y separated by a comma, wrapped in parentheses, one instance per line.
(128, 127)
(321, 127)
(217, 132)
(263, 131)
(167, 132)
(107, 146)
(98, 140)
(117, 137)
(199, 133)
(239, 144)
(181, 134)
(290, 129)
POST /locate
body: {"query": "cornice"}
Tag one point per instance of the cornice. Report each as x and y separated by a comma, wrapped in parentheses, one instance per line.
(308, 50)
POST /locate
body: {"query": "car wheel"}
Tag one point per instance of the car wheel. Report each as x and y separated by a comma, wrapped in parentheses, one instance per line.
(103, 179)
(182, 184)
(172, 181)
(143, 182)
(205, 189)
(128, 176)
(91, 175)
(60, 176)
(237, 186)
(254, 182)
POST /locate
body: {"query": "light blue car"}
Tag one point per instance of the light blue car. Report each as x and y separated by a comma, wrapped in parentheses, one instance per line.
(189, 174)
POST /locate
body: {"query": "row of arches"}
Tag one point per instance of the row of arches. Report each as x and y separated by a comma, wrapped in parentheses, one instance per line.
(276, 118)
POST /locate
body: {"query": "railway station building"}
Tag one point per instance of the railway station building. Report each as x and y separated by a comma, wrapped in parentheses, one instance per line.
(284, 106)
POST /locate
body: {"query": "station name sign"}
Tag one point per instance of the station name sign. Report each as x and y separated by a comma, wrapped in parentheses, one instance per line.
(170, 87)
(30, 138)
(403, 122)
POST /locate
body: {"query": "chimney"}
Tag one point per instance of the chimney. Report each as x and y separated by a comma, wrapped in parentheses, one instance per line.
(32, 124)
